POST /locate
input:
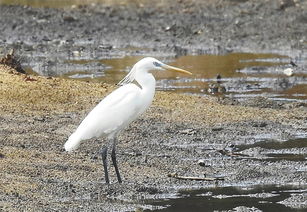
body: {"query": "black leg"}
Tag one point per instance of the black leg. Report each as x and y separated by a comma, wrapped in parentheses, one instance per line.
(104, 152)
(113, 157)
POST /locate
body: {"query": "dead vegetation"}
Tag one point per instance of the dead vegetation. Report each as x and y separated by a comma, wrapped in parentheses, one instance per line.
(13, 61)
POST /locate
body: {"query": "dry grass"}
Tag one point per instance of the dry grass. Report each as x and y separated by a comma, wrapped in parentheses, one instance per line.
(25, 94)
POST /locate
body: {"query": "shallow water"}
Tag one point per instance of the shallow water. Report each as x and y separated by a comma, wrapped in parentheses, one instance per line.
(243, 75)
(264, 198)
(272, 150)
(277, 145)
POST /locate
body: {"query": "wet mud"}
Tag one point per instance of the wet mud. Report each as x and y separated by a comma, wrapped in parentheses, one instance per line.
(233, 140)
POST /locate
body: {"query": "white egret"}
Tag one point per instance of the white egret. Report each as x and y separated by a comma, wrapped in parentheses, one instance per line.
(119, 109)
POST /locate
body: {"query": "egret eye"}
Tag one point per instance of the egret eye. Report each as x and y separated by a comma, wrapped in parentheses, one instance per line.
(157, 64)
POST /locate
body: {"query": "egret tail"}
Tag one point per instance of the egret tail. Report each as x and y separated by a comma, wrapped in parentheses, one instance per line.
(72, 143)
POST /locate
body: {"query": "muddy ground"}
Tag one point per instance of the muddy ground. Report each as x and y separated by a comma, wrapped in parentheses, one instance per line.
(39, 113)
(177, 131)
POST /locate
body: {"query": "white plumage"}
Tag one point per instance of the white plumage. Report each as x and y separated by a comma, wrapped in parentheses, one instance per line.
(109, 116)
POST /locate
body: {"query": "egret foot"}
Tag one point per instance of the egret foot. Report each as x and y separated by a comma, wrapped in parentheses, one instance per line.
(104, 152)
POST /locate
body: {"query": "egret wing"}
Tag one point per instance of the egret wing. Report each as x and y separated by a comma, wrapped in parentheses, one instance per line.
(112, 114)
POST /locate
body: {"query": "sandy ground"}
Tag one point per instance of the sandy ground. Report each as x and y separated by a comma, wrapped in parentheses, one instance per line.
(39, 113)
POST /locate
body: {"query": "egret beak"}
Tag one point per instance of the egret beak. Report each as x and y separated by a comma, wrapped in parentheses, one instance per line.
(172, 68)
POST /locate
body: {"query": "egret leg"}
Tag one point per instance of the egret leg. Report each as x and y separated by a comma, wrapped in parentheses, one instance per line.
(113, 157)
(104, 152)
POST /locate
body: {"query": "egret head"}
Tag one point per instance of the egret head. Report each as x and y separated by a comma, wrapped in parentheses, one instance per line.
(149, 64)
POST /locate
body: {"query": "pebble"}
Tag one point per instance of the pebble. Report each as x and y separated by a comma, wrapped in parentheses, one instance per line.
(288, 72)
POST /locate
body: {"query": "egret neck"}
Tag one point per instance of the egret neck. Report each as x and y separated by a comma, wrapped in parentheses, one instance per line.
(147, 83)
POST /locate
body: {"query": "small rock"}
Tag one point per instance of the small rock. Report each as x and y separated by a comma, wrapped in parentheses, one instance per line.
(217, 129)
(259, 124)
(288, 72)
(69, 19)
(76, 53)
(201, 162)
(188, 131)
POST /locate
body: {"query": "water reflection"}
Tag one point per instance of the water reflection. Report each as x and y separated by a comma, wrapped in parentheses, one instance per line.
(271, 150)
(115, 70)
(227, 65)
(241, 75)
(265, 198)
(276, 145)
(244, 75)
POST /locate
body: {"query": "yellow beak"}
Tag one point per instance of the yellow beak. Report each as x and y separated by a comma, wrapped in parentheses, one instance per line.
(172, 68)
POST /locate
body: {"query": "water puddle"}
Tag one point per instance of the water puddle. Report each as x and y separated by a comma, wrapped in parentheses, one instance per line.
(272, 150)
(288, 156)
(236, 75)
(114, 69)
(276, 145)
(241, 76)
(263, 198)
(267, 149)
